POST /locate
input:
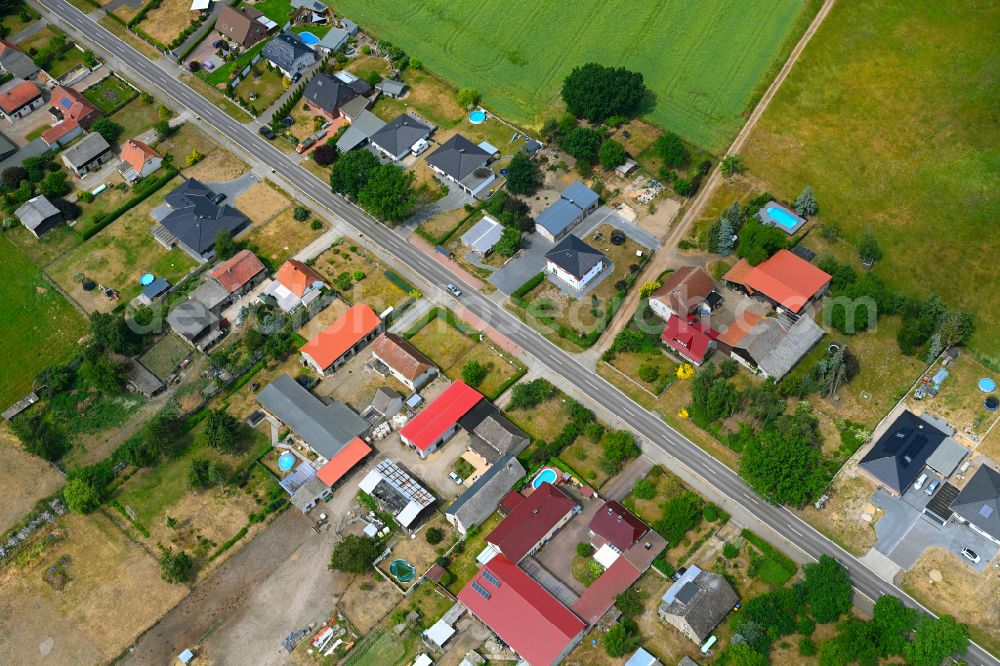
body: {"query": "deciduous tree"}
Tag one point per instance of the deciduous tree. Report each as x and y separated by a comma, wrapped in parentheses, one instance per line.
(581, 143)
(827, 589)
(354, 554)
(80, 496)
(522, 175)
(388, 193)
(611, 154)
(595, 92)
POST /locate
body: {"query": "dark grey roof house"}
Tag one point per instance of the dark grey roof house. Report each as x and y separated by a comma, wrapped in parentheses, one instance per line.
(18, 64)
(140, 379)
(697, 602)
(979, 503)
(333, 40)
(493, 436)
(289, 53)
(483, 497)
(899, 455)
(196, 324)
(397, 138)
(7, 147)
(328, 93)
(87, 155)
(774, 350)
(574, 262)
(575, 203)
(194, 219)
(361, 130)
(391, 87)
(326, 429)
(38, 216)
(464, 163)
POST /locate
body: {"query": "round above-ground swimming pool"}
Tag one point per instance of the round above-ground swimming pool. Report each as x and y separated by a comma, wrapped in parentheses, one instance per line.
(987, 385)
(309, 39)
(545, 475)
(146, 279)
(286, 461)
(783, 217)
(402, 571)
(477, 117)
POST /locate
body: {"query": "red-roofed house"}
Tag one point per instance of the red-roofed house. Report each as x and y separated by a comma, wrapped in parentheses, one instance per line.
(68, 104)
(19, 100)
(138, 160)
(788, 281)
(405, 362)
(600, 595)
(617, 526)
(522, 613)
(240, 273)
(342, 339)
(343, 462)
(295, 284)
(439, 420)
(531, 523)
(61, 133)
(692, 339)
(510, 502)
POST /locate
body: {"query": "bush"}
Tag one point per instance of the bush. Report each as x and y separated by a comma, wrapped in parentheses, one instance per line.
(434, 536)
(730, 550)
(529, 394)
(644, 489)
(671, 150)
(467, 97)
(174, 568)
(300, 214)
(807, 648)
(711, 513)
(622, 638)
(680, 514)
(474, 372)
(80, 496)
(447, 578)
(584, 549)
(315, 225)
(649, 373)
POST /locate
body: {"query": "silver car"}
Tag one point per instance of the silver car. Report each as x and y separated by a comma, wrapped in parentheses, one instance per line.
(455, 291)
(970, 555)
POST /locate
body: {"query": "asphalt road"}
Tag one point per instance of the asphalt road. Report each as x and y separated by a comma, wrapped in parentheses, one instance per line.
(650, 427)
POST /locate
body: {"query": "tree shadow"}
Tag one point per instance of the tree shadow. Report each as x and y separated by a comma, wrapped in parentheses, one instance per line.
(647, 103)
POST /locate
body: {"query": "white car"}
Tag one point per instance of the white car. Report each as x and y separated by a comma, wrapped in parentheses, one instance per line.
(920, 482)
(456, 478)
(970, 555)
(455, 291)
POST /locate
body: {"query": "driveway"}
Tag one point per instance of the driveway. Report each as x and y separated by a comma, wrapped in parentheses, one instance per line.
(557, 555)
(621, 485)
(455, 198)
(904, 532)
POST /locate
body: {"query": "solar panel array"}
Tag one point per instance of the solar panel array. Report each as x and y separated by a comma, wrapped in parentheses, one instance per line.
(483, 592)
(491, 578)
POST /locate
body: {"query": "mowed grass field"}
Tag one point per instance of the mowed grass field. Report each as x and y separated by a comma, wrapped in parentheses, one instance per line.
(891, 116)
(705, 62)
(38, 327)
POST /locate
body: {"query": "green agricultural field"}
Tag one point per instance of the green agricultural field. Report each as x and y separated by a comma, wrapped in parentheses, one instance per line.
(891, 116)
(705, 62)
(39, 326)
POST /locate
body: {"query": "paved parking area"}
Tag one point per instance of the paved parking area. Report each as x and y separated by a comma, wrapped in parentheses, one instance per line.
(904, 532)
(557, 555)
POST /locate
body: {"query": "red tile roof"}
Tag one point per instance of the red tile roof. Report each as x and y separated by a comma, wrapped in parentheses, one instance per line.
(739, 328)
(618, 526)
(739, 272)
(344, 461)
(237, 270)
(58, 131)
(17, 96)
(787, 279)
(600, 596)
(135, 153)
(684, 289)
(7, 44)
(74, 106)
(336, 339)
(691, 339)
(297, 276)
(510, 502)
(521, 612)
(530, 521)
(400, 355)
(428, 426)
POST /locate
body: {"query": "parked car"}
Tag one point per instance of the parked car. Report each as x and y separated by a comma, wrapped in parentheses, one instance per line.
(970, 555)
(920, 482)
(296, 76)
(677, 574)
(267, 132)
(455, 291)
(932, 486)
(456, 478)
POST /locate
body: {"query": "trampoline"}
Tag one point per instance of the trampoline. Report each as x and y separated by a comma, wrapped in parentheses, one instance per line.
(477, 117)
(146, 279)
(991, 403)
(987, 385)
(286, 461)
(402, 571)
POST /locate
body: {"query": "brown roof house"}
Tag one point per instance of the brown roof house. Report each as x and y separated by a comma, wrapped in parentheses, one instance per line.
(686, 290)
(404, 361)
(697, 602)
(19, 100)
(240, 273)
(241, 25)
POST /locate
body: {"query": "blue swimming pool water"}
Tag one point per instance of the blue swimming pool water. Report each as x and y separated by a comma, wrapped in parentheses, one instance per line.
(782, 217)
(308, 38)
(477, 117)
(987, 385)
(547, 475)
(147, 279)
(286, 461)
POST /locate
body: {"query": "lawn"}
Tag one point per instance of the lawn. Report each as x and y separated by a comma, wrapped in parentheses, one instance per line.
(451, 348)
(463, 565)
(268, 88)
(275, 241)
(225, 72)
(17, 21)
(25, 477)
(373, 288)
(890, 115)
(39, 326)
(163, 357)
(166, 22)
(118, 254)
(119, 30)
(276, 10)
(135, 118)
(110, 93)
(705, 63)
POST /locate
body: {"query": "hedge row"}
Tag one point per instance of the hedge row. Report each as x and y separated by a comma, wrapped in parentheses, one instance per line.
(398, 281)
(529, 285)
(186, 52)
(187, 32)
(786, 563)
(143, 190)
(446, 236)
(141, 14)
(521, 371)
